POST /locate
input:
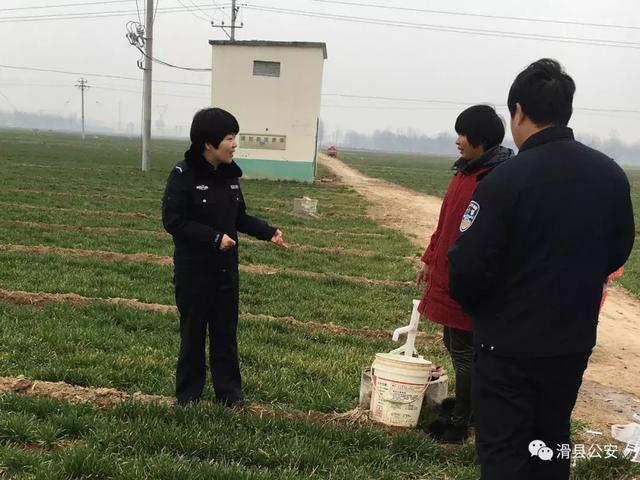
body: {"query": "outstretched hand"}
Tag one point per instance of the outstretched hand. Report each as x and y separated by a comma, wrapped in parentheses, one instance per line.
(277, 239)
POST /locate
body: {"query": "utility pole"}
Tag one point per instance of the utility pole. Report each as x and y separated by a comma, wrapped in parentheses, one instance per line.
(82, 85)
(234, 12)
(148, 55)
(234, 18)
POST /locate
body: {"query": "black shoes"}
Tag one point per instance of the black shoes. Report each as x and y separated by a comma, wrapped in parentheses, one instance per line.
(446, 432)
(443, 430)
(447, 406)
(239, 403)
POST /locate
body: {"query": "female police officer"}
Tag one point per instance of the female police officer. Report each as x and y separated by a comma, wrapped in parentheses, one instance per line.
(203, 209)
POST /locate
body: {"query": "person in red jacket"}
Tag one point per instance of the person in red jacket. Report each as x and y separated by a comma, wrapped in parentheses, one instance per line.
(480, 132)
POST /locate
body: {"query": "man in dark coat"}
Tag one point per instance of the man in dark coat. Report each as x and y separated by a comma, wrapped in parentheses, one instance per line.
(541, 235)
(203, 209)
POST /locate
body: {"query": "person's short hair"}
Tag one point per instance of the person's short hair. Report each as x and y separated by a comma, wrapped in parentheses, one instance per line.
(481, 125)
(211, 125)
(544, 92)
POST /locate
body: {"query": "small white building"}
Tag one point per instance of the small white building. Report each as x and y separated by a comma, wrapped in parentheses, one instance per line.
(273, 89)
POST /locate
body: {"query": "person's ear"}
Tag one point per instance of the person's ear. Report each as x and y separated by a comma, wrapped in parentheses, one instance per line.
(519, 116)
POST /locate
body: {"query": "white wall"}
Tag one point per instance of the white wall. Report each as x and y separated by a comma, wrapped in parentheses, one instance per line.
(286, 105)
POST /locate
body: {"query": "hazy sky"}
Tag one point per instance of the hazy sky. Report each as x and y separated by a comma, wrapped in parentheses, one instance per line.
(376, 60)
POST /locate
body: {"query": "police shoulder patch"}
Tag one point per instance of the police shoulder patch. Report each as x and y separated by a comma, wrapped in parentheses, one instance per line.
(469, 216)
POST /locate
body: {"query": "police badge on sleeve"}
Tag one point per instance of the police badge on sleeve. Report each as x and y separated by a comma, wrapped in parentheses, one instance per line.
(469, 216)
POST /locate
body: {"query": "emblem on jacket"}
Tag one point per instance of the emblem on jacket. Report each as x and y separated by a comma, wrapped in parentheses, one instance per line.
(202, 187)
(469, 216)
(234, 186)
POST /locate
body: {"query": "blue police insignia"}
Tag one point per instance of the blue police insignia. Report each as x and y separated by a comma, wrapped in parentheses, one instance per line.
(469, 216)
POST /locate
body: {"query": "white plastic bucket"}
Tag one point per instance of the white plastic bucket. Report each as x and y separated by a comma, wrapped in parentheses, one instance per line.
(398, 384)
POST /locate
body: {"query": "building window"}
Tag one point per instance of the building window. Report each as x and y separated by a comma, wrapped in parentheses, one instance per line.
(266, 69)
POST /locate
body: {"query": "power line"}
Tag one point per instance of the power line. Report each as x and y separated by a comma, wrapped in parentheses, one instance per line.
(102, 75)
(442, 28)
(459, 103)
(197, 6)
(189, 9)
(167, 64)
(43, 7)
(136, 37)
(467, 14)
(89, 15)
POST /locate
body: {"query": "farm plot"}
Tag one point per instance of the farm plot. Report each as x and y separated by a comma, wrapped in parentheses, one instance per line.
(86, 298)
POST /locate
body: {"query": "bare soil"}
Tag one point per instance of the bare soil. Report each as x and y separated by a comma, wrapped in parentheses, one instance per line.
(39, 299)
(611, 387)
(108, 397)
(165, 260)
(81, 211)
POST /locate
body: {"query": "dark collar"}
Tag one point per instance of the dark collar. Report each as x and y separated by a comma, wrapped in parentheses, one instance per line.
(198, 162)
(549, 134)
(490, 158)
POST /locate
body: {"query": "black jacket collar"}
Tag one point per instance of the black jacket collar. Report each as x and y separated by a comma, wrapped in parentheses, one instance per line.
(549, 134)
(490, 158)
(198, 162)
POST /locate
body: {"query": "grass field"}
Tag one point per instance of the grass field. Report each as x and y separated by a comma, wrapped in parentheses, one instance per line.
(431, 175)
(75, 217)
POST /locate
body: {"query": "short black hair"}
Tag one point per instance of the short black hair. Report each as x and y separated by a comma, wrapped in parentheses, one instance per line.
(481, 125)
(544, 92)
(211, 125)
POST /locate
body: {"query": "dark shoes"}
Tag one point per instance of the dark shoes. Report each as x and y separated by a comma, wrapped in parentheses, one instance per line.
(447, 406)
(239, 403)
(446, 432)
(443, 430)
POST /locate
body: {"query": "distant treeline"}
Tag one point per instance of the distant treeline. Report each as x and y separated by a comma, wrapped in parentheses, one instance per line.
(444, 144)
(43, 121)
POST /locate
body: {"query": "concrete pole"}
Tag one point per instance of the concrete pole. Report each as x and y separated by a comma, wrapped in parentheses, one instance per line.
(233, 20)
(146, 109)
(82, 85)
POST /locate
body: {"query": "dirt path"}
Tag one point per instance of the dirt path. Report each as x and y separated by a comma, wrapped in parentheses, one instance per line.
(611, 390)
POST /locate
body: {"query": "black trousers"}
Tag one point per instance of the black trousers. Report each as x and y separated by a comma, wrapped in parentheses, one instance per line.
(208, 302)
(459, 344)
(518, 400)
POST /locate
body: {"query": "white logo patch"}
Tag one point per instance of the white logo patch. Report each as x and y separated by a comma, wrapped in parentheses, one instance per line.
(203, 187)
(234, 187)
(469, 216)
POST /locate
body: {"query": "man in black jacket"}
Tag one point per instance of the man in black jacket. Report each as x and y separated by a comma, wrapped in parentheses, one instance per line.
(539, 238)
(203, 209)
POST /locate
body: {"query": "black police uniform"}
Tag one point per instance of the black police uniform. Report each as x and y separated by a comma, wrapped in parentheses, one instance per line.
(539, 239)
(201, 204)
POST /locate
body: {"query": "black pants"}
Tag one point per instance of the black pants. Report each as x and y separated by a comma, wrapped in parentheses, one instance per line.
(208, 302)
(518, 400)
(459, 344)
